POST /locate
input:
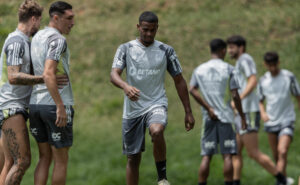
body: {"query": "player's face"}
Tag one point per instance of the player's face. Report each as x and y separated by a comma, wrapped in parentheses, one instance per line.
(273, 68)
(66, 22)
(36, 22)
(233, 51)
(147, 32)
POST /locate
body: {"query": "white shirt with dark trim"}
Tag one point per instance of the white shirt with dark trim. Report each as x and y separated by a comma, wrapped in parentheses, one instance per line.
(278, 91)
(15, 52)
(245, 67)
(50, 44)
(145, 70)
(215, 78)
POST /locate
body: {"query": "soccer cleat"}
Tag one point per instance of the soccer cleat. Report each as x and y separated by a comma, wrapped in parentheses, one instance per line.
(163, 182)
(290, 181)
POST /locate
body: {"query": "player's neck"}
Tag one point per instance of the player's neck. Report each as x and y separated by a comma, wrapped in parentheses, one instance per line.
(24, 28)
(239, 55)
(52, 25)
(146, 44)
(216, 56)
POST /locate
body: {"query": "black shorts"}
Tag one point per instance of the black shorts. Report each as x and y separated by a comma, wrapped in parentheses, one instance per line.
(42, 125)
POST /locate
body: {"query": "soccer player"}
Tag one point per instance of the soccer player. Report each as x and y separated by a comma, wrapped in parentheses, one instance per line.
(15, 89)
(51, 112)
(246, 70)
(146, 61)
(277, 86)
(213, 78)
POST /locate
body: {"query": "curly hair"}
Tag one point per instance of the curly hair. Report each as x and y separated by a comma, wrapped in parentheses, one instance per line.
(28, 9)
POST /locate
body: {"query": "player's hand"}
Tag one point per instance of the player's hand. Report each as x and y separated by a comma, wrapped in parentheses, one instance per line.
(132, 93)
(211, 114)
(61, 116)
(233, 107)
(265, 117)
(189, 121)
(62, 81)
(244, 123)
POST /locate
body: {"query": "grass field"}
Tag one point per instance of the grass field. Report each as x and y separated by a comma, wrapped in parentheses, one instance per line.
(187, 25)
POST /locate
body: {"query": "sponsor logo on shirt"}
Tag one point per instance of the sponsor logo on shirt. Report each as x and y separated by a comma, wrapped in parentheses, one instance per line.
(140, 73)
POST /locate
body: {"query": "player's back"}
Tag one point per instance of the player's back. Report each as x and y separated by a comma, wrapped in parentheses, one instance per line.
(213, 79)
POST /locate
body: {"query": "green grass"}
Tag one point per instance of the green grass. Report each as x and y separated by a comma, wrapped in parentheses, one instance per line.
(188, 25)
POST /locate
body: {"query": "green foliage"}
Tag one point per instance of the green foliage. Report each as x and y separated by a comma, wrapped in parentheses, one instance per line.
(188, 25)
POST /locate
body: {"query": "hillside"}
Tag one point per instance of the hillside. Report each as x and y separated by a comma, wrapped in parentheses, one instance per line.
(187, 25)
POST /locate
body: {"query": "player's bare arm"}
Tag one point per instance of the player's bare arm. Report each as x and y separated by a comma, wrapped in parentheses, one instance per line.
(263, 114)
(195, 93)
(16, 77)
(238, 104)
(50, 81)
(252, 81)
(131, 92)
(298, 100)
(182, 92)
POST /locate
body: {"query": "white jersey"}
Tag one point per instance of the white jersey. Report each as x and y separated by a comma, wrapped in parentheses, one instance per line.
(277, 91)
(15, 52)
(245, 67)
(215, 79)
(145, 70)
(50, 44)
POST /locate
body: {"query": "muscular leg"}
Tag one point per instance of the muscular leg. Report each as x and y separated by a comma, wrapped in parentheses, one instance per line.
(283, 147)
(204, 168)
(273, 141)
(250, 141)
(159, 144)
(1, 155)
(42, 169)
(17, 142)
(8, 162)
(228, 168)
(237, 160)
(60, 158)
(132, 169)
(159, 149)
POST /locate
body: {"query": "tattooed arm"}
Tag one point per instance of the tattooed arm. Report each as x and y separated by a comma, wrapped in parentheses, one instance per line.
(16, 77)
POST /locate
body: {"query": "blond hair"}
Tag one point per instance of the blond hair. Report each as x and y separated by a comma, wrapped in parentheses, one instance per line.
(28, 9)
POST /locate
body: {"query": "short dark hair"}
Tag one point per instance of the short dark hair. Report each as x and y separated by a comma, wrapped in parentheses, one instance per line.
(28, 9)
(271, 57)
(217, 45)
(237, 40)
(148, 16)
(59, 7)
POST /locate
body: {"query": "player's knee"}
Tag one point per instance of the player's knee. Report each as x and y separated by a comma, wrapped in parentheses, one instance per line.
(156, 133)
(133, 160)
(253, 154)
(283, 152)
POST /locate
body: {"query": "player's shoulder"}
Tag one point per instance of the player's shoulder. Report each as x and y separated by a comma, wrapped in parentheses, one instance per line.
(267, 75)
(14, 41)
(127, 45)
(163, 46)
(246, 57)
(286, 72)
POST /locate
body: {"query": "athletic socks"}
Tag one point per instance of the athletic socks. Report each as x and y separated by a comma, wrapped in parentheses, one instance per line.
(280, 178)
(161, 170)
(228, 182)
(201, 183)
(236, 182)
